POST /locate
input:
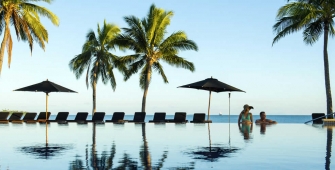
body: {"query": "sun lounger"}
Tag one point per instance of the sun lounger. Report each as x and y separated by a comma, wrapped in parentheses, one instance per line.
(61, 117)
(80, 117)
(98, 117)
(29, 118)
(117, 117)
(159, 117)
(200, 118)
(15, 117)
(43, 117)
(3, 117)
(317, 115)
(179, 117)
(138, 117)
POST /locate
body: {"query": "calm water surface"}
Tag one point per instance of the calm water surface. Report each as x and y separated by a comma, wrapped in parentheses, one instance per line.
(165, 146)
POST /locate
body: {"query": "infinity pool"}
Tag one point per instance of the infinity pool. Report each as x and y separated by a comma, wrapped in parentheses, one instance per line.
(165, 146)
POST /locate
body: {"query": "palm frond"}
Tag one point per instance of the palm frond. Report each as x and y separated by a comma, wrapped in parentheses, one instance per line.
(159, 68)
(136, 32)
(312, 32)
(2, 20)
(111, 77)
(126, 41)
(285, 26)
(9, 45)
(117, 63)
(300, 15)
(160, 30)
(178, 62)
(134, 68)
(175, 42)
(80, 62)
(36, 30)
(331, 30)
(28, 7)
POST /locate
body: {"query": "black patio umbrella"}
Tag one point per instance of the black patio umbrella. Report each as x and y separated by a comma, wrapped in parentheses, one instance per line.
(214, 85)
(46, 87)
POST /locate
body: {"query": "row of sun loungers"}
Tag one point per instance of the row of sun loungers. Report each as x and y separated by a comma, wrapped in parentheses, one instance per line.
(98, 117)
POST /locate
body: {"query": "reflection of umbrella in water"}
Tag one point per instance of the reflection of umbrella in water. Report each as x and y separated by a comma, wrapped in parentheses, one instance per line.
(210, 85)
(44, 151)
(46, 87)
(213, 153)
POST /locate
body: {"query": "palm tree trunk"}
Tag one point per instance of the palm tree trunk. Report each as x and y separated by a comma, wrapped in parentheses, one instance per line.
(3, 46)
(95, 87)
(144, 99)
(326, 67)
(94, 97)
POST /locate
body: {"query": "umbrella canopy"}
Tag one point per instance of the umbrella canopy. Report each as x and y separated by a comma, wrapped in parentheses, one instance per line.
(210, 85)
(46, 87)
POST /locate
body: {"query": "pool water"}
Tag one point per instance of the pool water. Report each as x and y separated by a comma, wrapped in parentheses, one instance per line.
(165, 146)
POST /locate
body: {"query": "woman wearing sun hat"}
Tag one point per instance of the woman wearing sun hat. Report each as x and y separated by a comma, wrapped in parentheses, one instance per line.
(246, 119)
(245, 116)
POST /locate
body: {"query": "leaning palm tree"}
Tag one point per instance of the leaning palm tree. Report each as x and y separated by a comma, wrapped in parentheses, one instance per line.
(314, 17)
(97, 59)
(24, 16)
(146, 38)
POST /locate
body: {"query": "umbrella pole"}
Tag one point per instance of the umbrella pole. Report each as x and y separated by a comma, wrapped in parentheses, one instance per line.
(209, 137)
(229, 118)
(46, 119)
(209, 103)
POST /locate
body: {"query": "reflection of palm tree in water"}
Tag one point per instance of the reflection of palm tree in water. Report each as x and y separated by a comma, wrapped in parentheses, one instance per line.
(105, 161)
(329, 146)
(144, 153)
(126, 162)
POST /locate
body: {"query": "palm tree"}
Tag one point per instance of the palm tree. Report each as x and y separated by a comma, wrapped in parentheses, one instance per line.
(314, 17)
(95, 54)
(24, 16)
(146, 38)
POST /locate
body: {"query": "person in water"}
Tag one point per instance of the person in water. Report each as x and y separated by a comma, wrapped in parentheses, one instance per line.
(245, 116)
(263, 119)
(245, 129)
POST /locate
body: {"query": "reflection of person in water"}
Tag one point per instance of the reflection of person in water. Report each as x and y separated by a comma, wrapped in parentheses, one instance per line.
(263, 128)
(245, 129)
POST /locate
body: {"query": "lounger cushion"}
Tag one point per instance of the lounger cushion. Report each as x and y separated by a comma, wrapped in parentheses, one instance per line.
(4, 115)
(29, 116)
(15, 116)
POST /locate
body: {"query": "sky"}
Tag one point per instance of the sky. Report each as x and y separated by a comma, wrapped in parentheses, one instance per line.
(235, 47)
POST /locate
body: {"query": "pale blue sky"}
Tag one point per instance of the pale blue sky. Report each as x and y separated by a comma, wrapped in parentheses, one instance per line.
(235, 46)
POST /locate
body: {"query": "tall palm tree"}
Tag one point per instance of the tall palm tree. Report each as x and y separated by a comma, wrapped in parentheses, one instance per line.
(314, 17)
(95, 55)
(146, 38)
(24, 16)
